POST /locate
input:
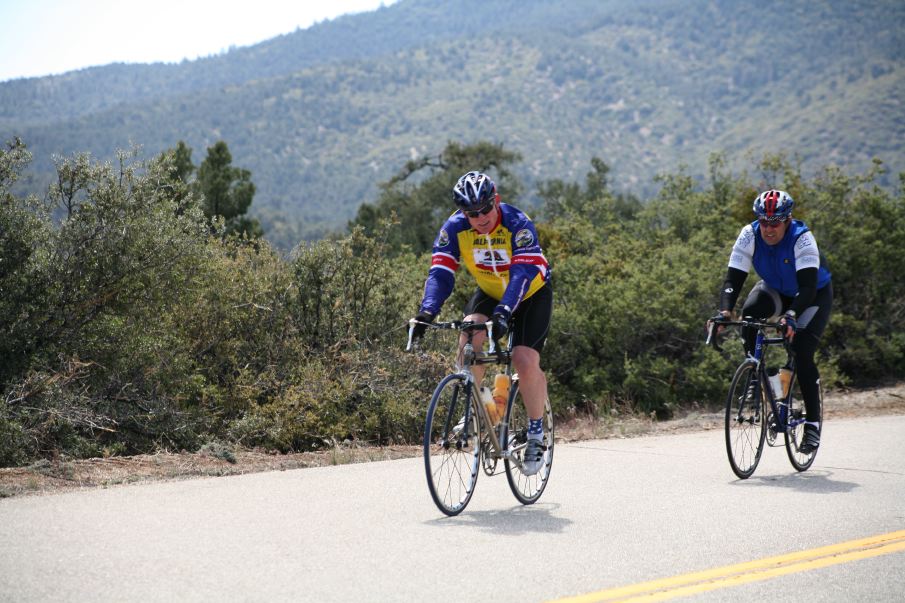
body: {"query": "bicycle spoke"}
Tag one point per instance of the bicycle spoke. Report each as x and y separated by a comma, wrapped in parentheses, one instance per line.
(794, 436)
(451, 467)
(526, 488)
(450, 458)
(746, 431)
(457, 434)
(744, 422)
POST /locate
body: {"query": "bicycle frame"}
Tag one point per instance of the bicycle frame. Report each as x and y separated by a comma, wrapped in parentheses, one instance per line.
(460, 437)
(754, 416)
(495, 437)
(779, 407)
(471, 358)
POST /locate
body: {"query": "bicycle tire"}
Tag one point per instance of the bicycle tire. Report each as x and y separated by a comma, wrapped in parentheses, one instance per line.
(745, 422)
(526, 488)
(452, 453)
(794, 436)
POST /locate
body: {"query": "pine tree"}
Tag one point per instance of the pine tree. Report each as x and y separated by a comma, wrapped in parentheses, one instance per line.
(227, 191)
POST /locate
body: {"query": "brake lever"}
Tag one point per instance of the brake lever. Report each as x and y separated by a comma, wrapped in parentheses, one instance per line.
(409, 345)
(712, 337)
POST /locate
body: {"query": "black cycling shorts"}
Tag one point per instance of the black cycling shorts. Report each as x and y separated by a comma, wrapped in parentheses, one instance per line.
(765, 302)
(531, 320)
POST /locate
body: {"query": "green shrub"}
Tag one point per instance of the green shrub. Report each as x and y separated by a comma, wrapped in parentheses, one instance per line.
(127, 327)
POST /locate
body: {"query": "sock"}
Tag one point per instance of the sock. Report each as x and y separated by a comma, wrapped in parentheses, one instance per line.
(536, 429)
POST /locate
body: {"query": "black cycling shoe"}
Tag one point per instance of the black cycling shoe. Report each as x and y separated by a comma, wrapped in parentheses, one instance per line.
(811, 440)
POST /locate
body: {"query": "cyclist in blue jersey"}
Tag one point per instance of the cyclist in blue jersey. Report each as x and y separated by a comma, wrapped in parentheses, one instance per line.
(796, 286)
(498, 245)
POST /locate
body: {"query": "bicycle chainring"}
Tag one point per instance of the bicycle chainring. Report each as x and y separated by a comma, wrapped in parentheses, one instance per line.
(771, 430)
(488, 462)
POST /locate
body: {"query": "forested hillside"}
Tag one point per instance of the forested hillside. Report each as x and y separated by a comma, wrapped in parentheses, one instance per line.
(320, 116)
(132, 322)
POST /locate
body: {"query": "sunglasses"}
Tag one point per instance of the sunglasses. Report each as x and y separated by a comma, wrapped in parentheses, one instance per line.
(477, 213)
(765, 223)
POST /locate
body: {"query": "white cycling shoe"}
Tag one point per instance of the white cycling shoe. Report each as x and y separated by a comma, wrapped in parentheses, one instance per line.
(533, 456)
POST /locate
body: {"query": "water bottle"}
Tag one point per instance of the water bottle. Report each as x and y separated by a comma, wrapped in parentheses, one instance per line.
(785, 376)
(501, 393)
(490, 405)
(775, 383)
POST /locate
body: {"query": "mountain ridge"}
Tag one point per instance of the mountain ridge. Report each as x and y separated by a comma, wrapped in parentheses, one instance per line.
(321, 115)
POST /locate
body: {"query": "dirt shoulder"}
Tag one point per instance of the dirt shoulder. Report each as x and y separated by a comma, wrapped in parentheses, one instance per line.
(51, 477)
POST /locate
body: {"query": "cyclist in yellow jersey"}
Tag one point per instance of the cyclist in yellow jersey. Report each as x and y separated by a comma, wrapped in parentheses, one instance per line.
(498, 245)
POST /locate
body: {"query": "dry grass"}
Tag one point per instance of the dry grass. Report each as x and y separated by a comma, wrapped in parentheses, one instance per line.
(50, 477)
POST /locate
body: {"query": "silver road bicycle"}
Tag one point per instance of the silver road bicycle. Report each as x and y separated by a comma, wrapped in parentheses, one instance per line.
(461, 438)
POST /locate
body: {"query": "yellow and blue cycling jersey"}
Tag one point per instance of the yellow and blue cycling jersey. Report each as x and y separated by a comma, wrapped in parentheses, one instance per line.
(507, 263)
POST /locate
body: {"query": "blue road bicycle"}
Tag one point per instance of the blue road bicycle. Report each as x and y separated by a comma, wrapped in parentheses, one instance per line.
(755, 411)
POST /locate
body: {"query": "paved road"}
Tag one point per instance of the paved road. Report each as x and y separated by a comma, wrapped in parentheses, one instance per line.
(616, 513)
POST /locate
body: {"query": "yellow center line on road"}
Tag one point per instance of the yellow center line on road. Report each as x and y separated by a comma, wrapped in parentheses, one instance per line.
(751, 571)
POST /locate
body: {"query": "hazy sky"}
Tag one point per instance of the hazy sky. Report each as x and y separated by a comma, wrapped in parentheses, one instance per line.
(43, 37)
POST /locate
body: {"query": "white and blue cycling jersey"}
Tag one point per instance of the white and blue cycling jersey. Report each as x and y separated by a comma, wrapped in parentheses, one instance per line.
(778, 264)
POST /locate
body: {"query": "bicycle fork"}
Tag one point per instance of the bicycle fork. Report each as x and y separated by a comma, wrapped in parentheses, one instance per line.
(473, 403)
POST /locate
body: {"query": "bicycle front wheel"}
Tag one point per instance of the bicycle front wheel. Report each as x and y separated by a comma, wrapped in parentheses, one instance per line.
(452, 445)
(526, 488)
(745, 412)
(795, 435)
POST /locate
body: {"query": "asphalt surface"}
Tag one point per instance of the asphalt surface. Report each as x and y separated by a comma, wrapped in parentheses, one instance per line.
(616, 513)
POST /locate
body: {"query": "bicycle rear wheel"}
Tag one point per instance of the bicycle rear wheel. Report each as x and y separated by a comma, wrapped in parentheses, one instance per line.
(526, 488)
(745, 431)
(452, 445)
(795, 435)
